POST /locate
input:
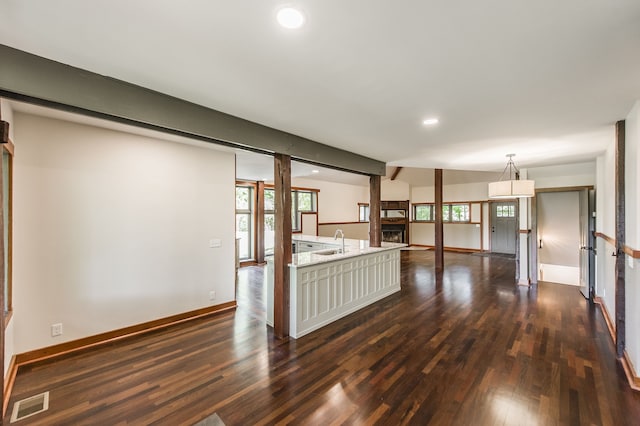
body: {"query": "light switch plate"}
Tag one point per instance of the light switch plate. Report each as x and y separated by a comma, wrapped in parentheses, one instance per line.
(56, 329)
(215, 243)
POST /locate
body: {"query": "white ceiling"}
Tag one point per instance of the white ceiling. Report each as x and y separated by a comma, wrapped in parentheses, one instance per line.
(542, 79)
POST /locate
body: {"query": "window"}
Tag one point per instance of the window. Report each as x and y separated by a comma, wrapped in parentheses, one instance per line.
(302, 201)
(269, 221)
(305, 201)
(506, 211)
(459, 212)
(445, 213)
(425, 212)
(363, 212)
(244, 221)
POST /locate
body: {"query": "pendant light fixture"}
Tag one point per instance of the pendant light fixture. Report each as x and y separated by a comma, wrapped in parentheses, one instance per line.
(509, 185)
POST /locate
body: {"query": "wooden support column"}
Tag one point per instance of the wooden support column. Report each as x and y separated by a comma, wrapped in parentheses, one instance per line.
(375, 223)
(282, 247)
(439, 231)
(260, 222)
(620, 239)
(4, 131)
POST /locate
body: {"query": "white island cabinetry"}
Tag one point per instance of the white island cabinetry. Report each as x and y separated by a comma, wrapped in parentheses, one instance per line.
(324, 288)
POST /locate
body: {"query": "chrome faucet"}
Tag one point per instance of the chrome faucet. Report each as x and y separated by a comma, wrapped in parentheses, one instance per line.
(335, 237)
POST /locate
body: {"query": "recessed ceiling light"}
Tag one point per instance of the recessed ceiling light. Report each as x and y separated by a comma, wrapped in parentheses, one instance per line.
(315, 171)
(430, 121)
(290, 18)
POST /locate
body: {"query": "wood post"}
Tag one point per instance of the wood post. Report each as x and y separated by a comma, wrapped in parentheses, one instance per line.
(4, 132)
(620, 239)
(282, 248)
(375, 222)
(259, 247)
(439, 231)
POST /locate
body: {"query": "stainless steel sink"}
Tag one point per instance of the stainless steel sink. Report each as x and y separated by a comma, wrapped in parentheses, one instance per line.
(327, 252)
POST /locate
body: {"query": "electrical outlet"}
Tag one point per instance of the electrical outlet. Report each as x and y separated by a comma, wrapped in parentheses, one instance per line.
(212, 295)
(56, 329)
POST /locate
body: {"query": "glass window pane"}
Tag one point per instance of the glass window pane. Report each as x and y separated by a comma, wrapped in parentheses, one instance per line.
(243, 198)
(423, 213)
(243, 231)
(445, 213)
(459, 212)
(269, 199)
(455, 213)
(363, 213)
(294, 220)
(269, 233)
(305, 202)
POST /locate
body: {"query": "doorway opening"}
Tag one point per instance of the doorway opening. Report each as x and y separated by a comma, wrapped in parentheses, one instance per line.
(565, 237)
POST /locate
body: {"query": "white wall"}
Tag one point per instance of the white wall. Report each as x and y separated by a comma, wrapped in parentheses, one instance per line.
(456, 235)
(112, 229)
(337, 202)
(451, 193)
(394, 190)
(632, 289)
(565, 175)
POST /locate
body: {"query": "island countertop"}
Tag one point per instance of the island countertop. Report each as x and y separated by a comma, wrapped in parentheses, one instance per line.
(326, 287)
(352, 248)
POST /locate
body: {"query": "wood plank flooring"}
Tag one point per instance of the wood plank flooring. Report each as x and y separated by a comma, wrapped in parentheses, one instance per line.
(468, 349)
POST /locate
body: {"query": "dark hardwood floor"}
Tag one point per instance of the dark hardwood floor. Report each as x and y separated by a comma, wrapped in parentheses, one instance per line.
(469, 349)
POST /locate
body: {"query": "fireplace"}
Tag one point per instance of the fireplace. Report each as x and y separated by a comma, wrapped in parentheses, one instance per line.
(394, 217)
(394, 233)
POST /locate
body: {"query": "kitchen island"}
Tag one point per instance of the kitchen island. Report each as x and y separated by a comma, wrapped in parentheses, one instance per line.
(327, 284)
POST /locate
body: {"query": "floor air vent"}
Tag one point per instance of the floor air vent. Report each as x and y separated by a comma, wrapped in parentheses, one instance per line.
(30, 406)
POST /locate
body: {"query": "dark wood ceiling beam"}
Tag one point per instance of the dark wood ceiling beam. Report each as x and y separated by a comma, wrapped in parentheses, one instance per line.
(396, 172)
(30, 78)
